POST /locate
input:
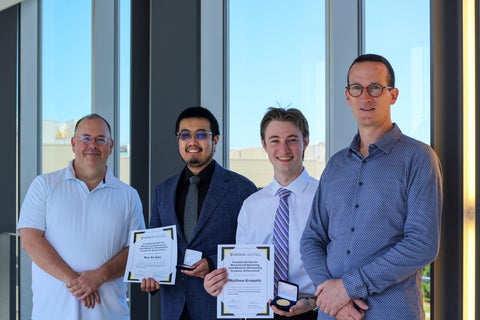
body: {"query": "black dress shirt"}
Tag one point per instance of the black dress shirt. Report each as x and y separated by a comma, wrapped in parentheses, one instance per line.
(182, 189)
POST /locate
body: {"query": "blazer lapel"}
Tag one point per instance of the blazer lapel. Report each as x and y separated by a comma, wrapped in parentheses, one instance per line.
(169, 198)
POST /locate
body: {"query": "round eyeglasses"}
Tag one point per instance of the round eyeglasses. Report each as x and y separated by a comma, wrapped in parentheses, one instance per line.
(187, 135)
(373, 89)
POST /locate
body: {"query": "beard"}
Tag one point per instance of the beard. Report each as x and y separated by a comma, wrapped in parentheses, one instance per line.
(195, 162)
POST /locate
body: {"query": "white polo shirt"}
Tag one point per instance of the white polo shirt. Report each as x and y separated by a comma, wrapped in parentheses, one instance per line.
(87, 229)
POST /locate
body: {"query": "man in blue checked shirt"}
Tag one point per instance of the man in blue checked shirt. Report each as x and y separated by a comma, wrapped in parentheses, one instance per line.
(375, 220)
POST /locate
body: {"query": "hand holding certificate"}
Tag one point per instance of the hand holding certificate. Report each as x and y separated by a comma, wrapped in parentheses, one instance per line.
(152, 254)
(250, 281)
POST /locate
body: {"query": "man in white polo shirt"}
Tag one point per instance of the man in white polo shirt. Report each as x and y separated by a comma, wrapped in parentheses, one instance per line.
(75, 224)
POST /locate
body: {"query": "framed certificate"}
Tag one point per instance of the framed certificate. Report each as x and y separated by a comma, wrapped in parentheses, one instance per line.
(250, 281)
(152, 254)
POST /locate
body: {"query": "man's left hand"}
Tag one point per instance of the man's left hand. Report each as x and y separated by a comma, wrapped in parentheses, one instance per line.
(332, 296)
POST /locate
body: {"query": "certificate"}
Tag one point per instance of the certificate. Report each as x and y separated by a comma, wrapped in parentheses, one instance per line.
(152, 254)
(250, 281)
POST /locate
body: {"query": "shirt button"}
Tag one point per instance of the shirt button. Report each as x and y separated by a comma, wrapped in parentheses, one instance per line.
(356, 206)
(348, 251)
(360, 183)
(352, 229)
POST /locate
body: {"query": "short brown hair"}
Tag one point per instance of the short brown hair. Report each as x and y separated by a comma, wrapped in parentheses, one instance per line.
(370, 57)
(281, 114)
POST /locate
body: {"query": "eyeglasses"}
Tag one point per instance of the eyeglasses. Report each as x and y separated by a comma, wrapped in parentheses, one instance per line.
(187, 135)
(373, 89)
(101, 141)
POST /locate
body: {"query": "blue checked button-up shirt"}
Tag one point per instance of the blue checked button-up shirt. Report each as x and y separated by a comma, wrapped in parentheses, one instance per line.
(375, 223)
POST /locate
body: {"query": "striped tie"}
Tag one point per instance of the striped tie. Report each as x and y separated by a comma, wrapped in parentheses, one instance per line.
(280, 239)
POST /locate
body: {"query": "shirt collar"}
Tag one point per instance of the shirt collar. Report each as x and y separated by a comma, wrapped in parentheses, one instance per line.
(107, 180)
(385, 143)
(70, 172)
(205, 175)
(297, 186)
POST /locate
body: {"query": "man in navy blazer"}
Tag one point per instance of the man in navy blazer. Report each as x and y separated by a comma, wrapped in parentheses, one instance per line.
(220, 196)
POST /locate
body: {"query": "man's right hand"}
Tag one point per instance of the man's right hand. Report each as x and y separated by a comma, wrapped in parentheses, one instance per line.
(149, 285)
(215, 280)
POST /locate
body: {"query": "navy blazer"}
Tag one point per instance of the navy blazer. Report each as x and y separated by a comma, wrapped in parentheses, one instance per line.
(217, 224)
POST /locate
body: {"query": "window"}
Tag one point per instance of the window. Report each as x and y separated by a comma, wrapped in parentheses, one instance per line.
(277, 59)
(123, 146)
(406, 44)
(66, 76)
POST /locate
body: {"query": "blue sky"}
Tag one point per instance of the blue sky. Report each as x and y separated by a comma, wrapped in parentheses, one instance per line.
(277, 58)
(66, 54)
(406, 44)
(278, 54)
(66, 59)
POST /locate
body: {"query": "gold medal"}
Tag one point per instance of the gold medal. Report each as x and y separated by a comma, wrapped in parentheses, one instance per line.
(283, 302)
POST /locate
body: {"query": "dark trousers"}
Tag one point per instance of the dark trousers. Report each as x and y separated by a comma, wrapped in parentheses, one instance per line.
(185, 314)
(310, 315)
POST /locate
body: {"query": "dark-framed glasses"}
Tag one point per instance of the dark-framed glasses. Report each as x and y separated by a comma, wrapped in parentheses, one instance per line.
(101, 141)
(374, 89)
(186, 135)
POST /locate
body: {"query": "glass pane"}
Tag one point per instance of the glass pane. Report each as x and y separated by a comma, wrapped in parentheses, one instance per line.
(406, 44)
(66, 76)
(124, 146)
(276, 59)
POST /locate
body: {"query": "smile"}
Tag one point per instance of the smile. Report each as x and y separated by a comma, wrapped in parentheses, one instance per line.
(365, 109)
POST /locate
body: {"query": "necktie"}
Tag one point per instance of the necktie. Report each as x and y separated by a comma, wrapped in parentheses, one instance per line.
(190, 214)
(280, 239)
